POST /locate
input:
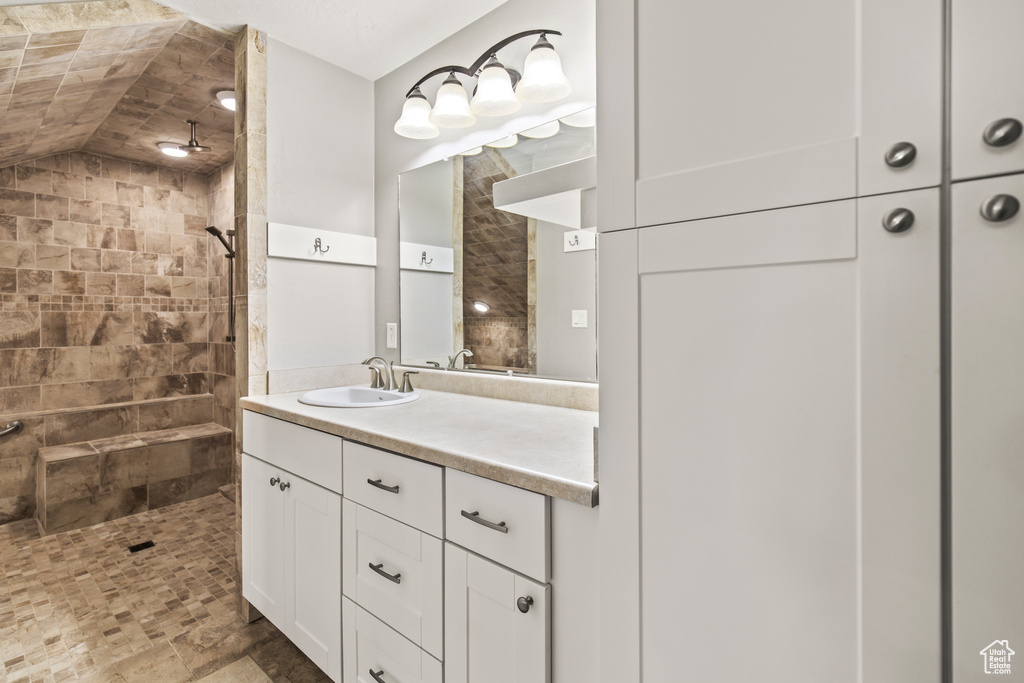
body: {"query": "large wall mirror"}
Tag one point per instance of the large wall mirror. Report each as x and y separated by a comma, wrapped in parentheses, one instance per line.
(498, 256)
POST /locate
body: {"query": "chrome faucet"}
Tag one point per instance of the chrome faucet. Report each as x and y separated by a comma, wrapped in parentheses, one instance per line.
(452, 359)
(388, 373)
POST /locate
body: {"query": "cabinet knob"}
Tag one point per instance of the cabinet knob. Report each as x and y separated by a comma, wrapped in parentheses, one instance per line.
(524, 603)
(1002, 132)
(999, 208)
(284, 485)
(898, 220)
(274, 481)
(901, 154)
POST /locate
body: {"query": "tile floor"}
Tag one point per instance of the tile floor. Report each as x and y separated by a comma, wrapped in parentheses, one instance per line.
(78, 606)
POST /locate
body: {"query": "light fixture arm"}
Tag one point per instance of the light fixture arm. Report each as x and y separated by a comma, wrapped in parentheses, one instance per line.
(473, 70)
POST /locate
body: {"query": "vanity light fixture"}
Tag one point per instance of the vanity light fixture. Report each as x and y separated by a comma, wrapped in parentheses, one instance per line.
(227, 99)
(505, 142)
(471, 152)
(499, 90)
(544, 130)
(172, 149)
(581, 119)
(481, 306)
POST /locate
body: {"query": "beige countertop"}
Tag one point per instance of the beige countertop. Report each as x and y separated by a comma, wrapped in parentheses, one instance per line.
(535, 447)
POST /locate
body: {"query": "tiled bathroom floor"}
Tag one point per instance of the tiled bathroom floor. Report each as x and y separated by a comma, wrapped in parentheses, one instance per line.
(79, 606)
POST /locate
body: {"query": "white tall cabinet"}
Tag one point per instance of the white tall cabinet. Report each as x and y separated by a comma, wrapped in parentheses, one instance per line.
(786, 297)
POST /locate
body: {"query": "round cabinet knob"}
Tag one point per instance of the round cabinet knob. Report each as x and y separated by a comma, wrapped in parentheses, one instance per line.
(274, 481)
(1001, 207)
(524, 604)
(898, 220)
(901, 154)
(284, 485)
(1002, 132)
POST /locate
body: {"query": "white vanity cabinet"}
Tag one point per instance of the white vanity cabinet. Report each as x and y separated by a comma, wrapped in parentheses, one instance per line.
(291, 534)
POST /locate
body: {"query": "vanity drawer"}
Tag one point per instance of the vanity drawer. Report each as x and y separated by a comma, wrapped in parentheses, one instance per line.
(406, 590)
(508, 525)
(371, 645)
(408, 490)
(310, 454)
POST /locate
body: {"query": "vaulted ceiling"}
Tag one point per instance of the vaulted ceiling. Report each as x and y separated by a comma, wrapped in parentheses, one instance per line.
(112, 77)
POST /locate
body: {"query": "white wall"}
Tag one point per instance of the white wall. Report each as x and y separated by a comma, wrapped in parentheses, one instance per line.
(320, 175)
(565, 282)
(395, 154)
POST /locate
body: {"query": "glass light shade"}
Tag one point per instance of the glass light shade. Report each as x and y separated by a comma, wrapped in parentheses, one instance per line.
(451, 110)
(471, 152)
(581, 119)
(415, 121)
(172, 149)
(494, 95)
(543, 80)
(544, 130)
(227, 99)
(505, 143)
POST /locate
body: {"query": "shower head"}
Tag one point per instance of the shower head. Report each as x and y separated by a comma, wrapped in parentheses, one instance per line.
(220, 235)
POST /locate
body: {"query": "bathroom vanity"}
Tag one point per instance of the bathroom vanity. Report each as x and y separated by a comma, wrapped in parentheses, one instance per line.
(453, 538)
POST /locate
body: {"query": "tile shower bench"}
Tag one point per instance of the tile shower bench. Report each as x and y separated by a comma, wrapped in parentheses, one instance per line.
(81, 484)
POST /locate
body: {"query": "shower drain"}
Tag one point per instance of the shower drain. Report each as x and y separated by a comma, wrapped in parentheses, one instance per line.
(140, 546)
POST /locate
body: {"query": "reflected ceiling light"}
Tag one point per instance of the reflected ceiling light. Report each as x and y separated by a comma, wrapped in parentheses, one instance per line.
(543, 80)
(172, 149)
(505, 143)
(471, 152)
(581, 119)
(499, 91)
(544, 130)
(481, 306)
(415, 122)
(451, 110)
(227, 99)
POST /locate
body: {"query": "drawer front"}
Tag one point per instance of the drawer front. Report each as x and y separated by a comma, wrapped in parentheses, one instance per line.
(408, 490)
(395, 572)
(312, 455)
(371, 645)
(508, 525)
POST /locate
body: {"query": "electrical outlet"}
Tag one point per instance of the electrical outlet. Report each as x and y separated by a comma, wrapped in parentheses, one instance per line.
(392, 335)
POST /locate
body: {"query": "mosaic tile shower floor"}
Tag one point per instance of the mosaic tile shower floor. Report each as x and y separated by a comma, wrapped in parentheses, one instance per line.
(79, 606)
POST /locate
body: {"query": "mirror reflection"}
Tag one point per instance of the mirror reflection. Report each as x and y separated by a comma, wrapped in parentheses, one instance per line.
(498, 256)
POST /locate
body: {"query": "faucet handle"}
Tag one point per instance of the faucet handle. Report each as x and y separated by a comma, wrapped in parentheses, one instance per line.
(375, 379)
(406, 383)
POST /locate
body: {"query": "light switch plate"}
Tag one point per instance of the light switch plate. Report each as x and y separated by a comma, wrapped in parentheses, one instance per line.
(579, 318)
(393, 335)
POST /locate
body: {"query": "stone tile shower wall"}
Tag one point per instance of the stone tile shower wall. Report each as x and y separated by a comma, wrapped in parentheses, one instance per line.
(104, 300)
(221, 209)
(495, 269)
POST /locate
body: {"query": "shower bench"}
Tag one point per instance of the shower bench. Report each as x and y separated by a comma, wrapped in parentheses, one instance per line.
(81, 484)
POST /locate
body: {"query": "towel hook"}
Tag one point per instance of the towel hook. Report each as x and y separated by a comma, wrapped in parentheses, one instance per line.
(318, 248)
(575, 241)
(424, 261)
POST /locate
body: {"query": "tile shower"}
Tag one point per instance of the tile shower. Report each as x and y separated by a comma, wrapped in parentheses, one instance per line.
(113, 319)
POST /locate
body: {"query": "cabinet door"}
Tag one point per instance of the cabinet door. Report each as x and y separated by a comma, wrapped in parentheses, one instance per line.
(313, 572)
(900, 95)
(488, 639)
(987, 56)
(987, 425)
(790, 370)
(742, 106)
(264, 539)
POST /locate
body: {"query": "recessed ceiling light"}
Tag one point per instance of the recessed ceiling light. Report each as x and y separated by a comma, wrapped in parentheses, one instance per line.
(172, 149)
(227, 99)
(481, 306)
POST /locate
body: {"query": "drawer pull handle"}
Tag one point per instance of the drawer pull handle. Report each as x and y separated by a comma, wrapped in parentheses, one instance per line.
(475, 517)
(393, 578)
(382, 487)
(377, 675)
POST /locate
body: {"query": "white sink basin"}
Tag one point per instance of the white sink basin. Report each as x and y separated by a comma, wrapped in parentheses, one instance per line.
(355, 397)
